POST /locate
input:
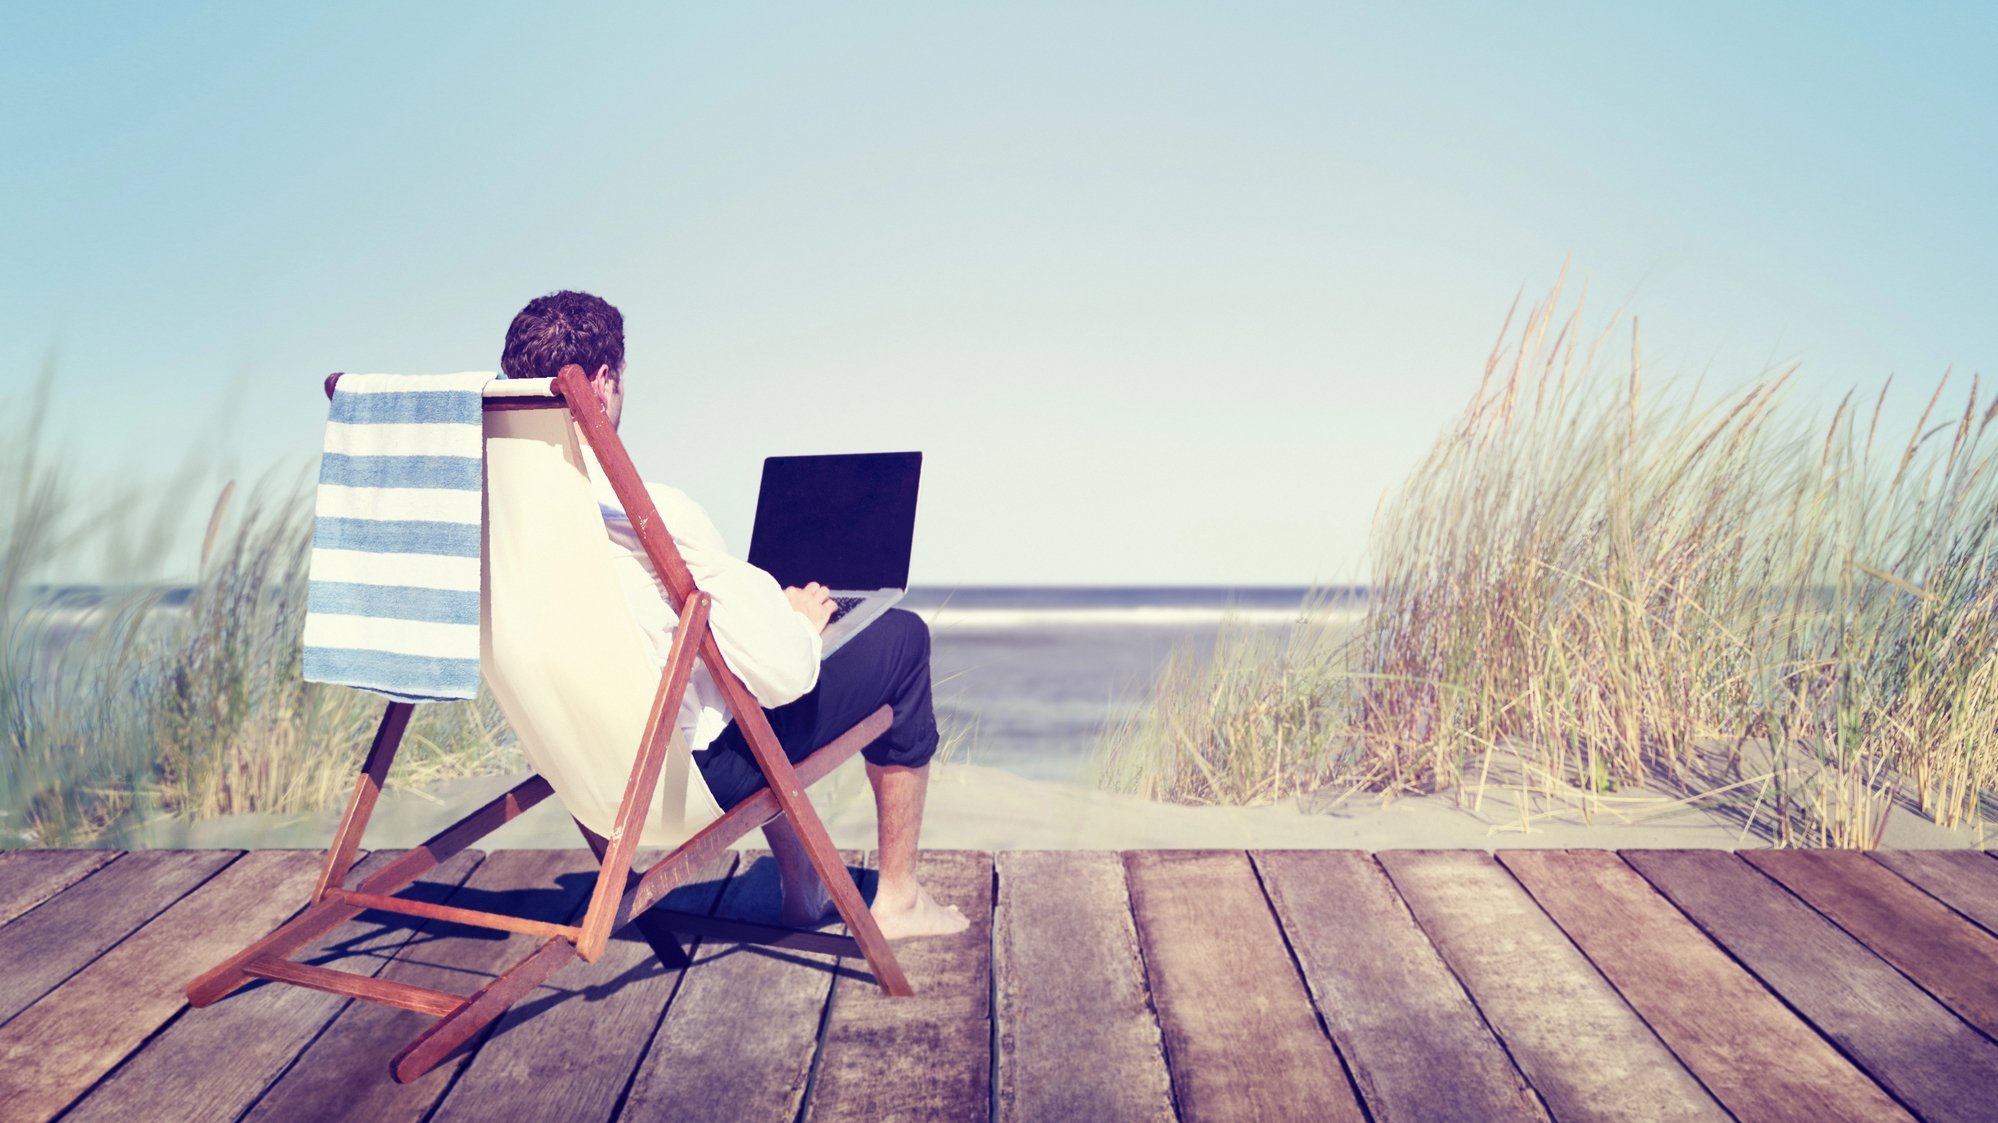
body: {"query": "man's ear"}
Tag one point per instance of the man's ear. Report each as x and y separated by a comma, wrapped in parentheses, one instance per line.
(603, 372)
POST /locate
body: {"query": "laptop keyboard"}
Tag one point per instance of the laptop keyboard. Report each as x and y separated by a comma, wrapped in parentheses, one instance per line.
(844, 605)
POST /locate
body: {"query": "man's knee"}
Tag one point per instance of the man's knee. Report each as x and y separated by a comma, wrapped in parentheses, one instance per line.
(905, 648)
(911, 636)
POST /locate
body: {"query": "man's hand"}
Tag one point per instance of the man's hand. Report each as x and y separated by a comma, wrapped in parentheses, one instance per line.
(815, 602)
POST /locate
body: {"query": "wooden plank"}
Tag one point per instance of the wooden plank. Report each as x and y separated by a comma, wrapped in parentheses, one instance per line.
(29, 877)
(214, 1062)
(1932, 1061)
(569, 1053)
(349, 1063)
(1949, 956)
(1077, 1039)
(1965, 880)
(62, 937)
(1750, 1051)
(1584, 1050)
(1242, 1040)
(1392, 1006)
(738, 1039)
(927, 1055)
(56, 1049)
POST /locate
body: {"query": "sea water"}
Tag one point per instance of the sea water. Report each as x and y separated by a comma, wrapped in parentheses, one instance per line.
(1028, 679)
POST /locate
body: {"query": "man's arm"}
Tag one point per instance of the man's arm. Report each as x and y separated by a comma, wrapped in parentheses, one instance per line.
(767, 642)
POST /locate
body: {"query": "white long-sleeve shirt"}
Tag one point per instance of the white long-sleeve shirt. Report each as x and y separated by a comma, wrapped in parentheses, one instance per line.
(771, 646)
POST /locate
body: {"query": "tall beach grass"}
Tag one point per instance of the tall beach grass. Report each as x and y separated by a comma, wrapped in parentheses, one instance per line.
(147, 698)
(1598, 583)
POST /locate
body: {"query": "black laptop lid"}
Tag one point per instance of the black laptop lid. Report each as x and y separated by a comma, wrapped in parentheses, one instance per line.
(845, 521)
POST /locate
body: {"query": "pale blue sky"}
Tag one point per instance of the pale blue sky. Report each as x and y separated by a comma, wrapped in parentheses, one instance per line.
(1167, 293)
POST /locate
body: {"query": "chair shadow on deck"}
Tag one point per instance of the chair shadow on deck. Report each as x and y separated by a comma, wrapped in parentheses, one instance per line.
(755, 885)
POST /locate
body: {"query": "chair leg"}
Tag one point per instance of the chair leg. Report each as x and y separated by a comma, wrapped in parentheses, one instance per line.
(319, 919)
(665, 943)
(321, 916)
(811, 830)
(847, 899)
(367, 788)
(785, 795)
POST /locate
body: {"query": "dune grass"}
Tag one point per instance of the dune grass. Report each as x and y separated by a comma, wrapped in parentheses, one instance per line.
(1260, 717)
(1609, 585)
(159, 702)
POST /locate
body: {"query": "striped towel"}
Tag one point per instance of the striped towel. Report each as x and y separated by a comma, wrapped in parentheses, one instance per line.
(393, 605)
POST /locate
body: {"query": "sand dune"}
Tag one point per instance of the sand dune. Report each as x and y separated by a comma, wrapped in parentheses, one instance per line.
(974, 807)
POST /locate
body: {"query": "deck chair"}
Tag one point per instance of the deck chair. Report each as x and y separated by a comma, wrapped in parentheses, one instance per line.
(573, 676)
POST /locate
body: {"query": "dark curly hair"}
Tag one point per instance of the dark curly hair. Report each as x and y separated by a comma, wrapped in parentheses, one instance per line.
(562, 328)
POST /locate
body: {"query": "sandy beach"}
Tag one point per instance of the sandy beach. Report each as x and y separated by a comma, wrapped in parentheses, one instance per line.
(981, 808)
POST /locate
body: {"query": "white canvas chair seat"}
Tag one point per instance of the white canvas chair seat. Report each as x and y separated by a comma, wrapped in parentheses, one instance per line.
(559, 649)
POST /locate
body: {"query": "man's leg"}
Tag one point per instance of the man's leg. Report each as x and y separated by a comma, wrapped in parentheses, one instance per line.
(902, 907)
(807, 904)
(888, 662)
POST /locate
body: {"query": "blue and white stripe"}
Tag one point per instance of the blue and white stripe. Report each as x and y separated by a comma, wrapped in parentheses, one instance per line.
(393, 605)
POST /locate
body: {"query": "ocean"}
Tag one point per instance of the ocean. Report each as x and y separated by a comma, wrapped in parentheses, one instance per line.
(1027, 677)
(1032, 676)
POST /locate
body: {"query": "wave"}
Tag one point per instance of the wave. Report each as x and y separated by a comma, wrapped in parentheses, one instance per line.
(947, 618)
(74, 607)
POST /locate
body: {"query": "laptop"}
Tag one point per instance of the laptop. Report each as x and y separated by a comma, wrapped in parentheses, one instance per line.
(845, 521)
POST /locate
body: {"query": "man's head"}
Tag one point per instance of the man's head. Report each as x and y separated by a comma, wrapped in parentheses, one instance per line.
(570, 327)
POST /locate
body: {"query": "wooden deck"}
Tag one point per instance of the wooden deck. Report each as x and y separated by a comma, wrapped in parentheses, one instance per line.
(1319, 985)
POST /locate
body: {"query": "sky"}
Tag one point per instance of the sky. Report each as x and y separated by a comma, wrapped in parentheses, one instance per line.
(1166, 293)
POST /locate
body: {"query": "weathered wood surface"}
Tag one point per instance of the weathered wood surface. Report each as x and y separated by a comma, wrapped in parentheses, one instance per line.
(348, 1064)
(1242, 1039)
(216, 1062)
(1949, 956)
(568, 1053)
(1395, 1011)
(1584, 1049)
(1740, 1040)
(29, 877)
(1076, 1035)
(738, 1040)
(1932, 1061)
(1147, 986)
(926, 1056)
(1965, 880)
(53, 942)
(57, 1049)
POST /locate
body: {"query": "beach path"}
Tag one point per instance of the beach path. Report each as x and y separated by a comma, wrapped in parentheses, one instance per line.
(1144, 985)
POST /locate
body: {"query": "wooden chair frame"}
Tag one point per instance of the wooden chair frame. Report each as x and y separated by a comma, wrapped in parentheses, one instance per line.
(622, 893)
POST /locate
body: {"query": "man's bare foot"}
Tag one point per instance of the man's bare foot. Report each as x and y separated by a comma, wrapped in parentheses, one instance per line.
(916, 914)
(806, 904)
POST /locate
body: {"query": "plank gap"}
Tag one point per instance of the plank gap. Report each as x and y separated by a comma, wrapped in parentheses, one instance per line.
(1145, 969)
(992, 998)
(1304, 982)
(1463, 984)
(865, 884)
(692, 949)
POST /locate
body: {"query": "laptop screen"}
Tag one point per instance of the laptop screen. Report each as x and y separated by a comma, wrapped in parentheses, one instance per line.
(845, 521)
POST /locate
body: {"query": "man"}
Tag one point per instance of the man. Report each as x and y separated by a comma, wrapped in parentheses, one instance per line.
(770, 637)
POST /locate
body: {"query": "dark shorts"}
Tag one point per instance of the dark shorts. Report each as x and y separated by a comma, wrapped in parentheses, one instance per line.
(887, 663)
